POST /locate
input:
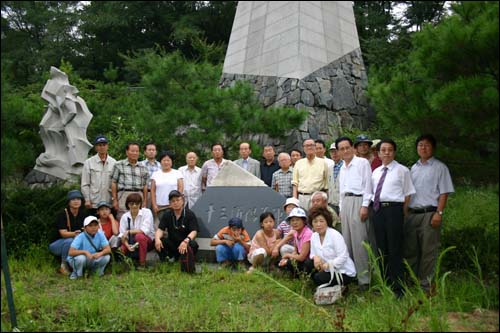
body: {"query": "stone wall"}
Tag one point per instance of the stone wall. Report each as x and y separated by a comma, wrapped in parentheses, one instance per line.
(334, 97)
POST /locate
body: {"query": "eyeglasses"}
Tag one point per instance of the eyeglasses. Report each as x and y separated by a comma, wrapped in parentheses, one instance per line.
(134, 203)
(310, 145)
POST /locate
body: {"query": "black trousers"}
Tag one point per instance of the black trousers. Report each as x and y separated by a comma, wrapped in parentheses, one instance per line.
(320, 278)
(388, 223)
(170, 249)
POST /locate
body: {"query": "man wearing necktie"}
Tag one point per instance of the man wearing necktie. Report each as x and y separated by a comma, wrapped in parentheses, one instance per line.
(393, 187)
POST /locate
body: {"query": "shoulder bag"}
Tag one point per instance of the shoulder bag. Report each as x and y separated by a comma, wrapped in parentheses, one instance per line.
(325, 295)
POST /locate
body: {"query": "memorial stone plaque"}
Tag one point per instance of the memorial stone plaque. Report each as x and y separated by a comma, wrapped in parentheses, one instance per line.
(235, 193)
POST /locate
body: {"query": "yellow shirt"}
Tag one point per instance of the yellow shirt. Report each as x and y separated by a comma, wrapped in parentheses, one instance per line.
(310, 176)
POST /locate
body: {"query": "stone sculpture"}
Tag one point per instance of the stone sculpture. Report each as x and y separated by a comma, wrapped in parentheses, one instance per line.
(63, 129)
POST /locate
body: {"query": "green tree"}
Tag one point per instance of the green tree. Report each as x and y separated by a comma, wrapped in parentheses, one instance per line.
(36, 35)
(448, 86)
(187, 110)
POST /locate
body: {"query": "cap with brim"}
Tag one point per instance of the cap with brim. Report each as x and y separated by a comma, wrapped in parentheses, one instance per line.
(100, 139)
(104, 204)
(375, 143)
(74, 194)
(89, 219)
(235, 222)
(297, 212)
(291, 201)
(362, 138)
(333, 146)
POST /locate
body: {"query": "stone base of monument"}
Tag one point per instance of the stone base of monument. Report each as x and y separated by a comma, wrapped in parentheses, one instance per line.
(38, 179)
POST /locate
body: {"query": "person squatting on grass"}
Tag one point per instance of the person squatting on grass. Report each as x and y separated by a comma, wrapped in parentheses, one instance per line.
(69, 224)
(263, 242)
(295, 262)
(286, 230)
(108, 224)
(136, 226)
(89, 250)
(231, 243)
(181, 226)
(328, 245)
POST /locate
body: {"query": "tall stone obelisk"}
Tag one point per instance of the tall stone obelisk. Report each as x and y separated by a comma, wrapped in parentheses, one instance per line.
(303, 54)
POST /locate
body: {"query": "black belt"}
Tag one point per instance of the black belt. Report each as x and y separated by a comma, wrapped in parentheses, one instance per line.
(349, 194)
(423, 210)
(390, 203)
(129, 190)
(302, 193)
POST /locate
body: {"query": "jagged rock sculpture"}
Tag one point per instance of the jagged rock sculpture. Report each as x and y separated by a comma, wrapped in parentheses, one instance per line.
(63, 130)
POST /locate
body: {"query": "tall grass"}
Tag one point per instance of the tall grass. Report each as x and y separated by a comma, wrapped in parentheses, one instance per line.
(164, 299)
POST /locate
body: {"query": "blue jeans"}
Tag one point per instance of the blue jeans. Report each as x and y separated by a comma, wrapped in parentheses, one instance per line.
(225, 253)
(61, 247)
(81, 262)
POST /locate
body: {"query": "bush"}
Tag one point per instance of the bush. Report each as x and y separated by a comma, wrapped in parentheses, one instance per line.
(471, 221)
(28, 215)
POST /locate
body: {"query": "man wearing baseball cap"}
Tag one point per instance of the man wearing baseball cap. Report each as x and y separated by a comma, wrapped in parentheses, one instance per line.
(363, 146)
(89, 250)
(96, 175)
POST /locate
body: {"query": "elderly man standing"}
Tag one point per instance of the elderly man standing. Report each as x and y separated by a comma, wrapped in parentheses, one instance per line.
(282, 179)
(310, 174)
(422, 227)
(96, 176)
(355, 193)
(129, 176)
(333, 179)
(246, 162)
(192, 179)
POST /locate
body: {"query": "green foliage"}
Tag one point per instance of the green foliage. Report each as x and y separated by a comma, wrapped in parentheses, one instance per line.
(448, 86)
(189, 112)
(28, 215)
(21, 114)
(471, 222)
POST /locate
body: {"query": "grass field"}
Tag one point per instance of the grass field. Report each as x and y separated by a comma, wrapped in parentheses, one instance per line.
(164, 299)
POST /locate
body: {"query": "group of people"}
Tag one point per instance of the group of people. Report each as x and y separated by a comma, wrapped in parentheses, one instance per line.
(337, 208)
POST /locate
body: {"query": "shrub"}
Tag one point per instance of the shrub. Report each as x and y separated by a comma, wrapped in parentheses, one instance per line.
(471, 221)
(28, 215)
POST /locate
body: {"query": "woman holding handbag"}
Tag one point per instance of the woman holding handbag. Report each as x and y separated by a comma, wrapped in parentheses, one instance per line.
(328, 249)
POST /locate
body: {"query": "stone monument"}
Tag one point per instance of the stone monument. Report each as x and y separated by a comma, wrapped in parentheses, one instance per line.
(303, 54)
(63, 130)
(234, 192)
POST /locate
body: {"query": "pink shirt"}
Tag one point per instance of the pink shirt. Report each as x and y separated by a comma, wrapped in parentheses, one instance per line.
(303, 237)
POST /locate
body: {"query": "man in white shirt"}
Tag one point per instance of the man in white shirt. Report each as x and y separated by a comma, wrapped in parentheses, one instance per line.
(422, 227)
(392, 187)
(192, 179)
(355, 190)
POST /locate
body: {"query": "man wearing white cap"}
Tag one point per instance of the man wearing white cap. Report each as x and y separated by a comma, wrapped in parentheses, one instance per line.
(89, 250)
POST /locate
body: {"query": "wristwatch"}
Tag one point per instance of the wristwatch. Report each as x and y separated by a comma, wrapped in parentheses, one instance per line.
(440, 212)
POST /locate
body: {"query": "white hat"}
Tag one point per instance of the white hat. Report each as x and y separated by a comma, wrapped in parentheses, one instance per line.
(333, 146)
(375, 143)
(297, 212)
(291, 201)
(89, 219)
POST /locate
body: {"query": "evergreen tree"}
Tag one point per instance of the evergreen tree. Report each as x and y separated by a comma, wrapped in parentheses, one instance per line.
(448, 86)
